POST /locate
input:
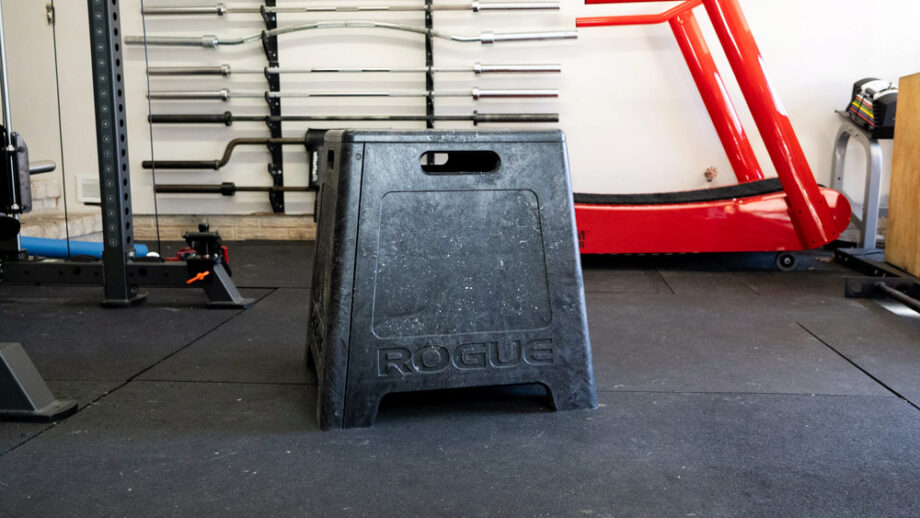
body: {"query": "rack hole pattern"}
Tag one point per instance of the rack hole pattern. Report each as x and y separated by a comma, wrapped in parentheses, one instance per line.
(111, 120)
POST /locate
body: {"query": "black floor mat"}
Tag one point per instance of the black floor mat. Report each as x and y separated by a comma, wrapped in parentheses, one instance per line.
(265, 344)
(235, 449)
(726, 390)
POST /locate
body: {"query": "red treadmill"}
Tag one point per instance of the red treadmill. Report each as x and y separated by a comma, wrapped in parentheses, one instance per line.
(788, 213)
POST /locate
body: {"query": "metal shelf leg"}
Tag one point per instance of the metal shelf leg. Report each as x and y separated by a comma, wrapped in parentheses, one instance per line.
(867, 214)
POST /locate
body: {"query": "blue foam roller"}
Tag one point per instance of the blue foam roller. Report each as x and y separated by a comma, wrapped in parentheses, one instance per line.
(57, 248)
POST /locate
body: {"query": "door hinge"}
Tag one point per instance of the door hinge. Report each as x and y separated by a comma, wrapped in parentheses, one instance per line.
(49, 13)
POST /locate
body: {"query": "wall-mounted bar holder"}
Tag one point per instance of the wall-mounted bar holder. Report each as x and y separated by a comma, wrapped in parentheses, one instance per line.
(273, 95)
(270, 46)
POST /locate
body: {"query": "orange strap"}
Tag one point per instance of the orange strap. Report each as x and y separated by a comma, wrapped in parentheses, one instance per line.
(199, 277)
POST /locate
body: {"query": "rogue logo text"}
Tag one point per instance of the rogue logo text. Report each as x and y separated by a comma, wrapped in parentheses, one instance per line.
(430, 359)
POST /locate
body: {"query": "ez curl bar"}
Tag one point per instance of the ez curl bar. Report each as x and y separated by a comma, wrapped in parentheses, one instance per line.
(212, 41)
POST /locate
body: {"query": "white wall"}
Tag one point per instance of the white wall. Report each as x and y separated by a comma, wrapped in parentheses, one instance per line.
(657, 136)
(634, 120)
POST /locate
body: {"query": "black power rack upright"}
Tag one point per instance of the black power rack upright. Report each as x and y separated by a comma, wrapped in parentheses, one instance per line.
(120, 272)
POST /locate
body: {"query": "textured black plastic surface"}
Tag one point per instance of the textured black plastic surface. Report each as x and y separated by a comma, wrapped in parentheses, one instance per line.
(464, 275)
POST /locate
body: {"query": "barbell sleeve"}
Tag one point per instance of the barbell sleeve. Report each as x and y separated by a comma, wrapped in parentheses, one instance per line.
(514, 6)
(222, 70)
(485, 118)
(227, 187)
(479, 68)
(186, 10)
(181, 164)
(190, 95)
(225, 118)
(207, 41)
(478, 93)
(41, 167)
(527, 36)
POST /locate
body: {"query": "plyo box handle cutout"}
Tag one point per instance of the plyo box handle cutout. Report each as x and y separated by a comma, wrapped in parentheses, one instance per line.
(459, 162)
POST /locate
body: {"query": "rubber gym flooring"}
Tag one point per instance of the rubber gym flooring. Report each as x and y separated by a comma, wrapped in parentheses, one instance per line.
(725, 390)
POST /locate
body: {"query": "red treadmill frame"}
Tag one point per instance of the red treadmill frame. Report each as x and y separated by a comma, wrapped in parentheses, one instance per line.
(802, 216)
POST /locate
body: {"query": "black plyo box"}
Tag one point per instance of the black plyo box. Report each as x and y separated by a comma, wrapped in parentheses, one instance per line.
(445, 259)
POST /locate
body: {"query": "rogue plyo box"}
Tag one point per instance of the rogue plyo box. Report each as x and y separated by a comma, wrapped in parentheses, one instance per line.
(445, 259)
